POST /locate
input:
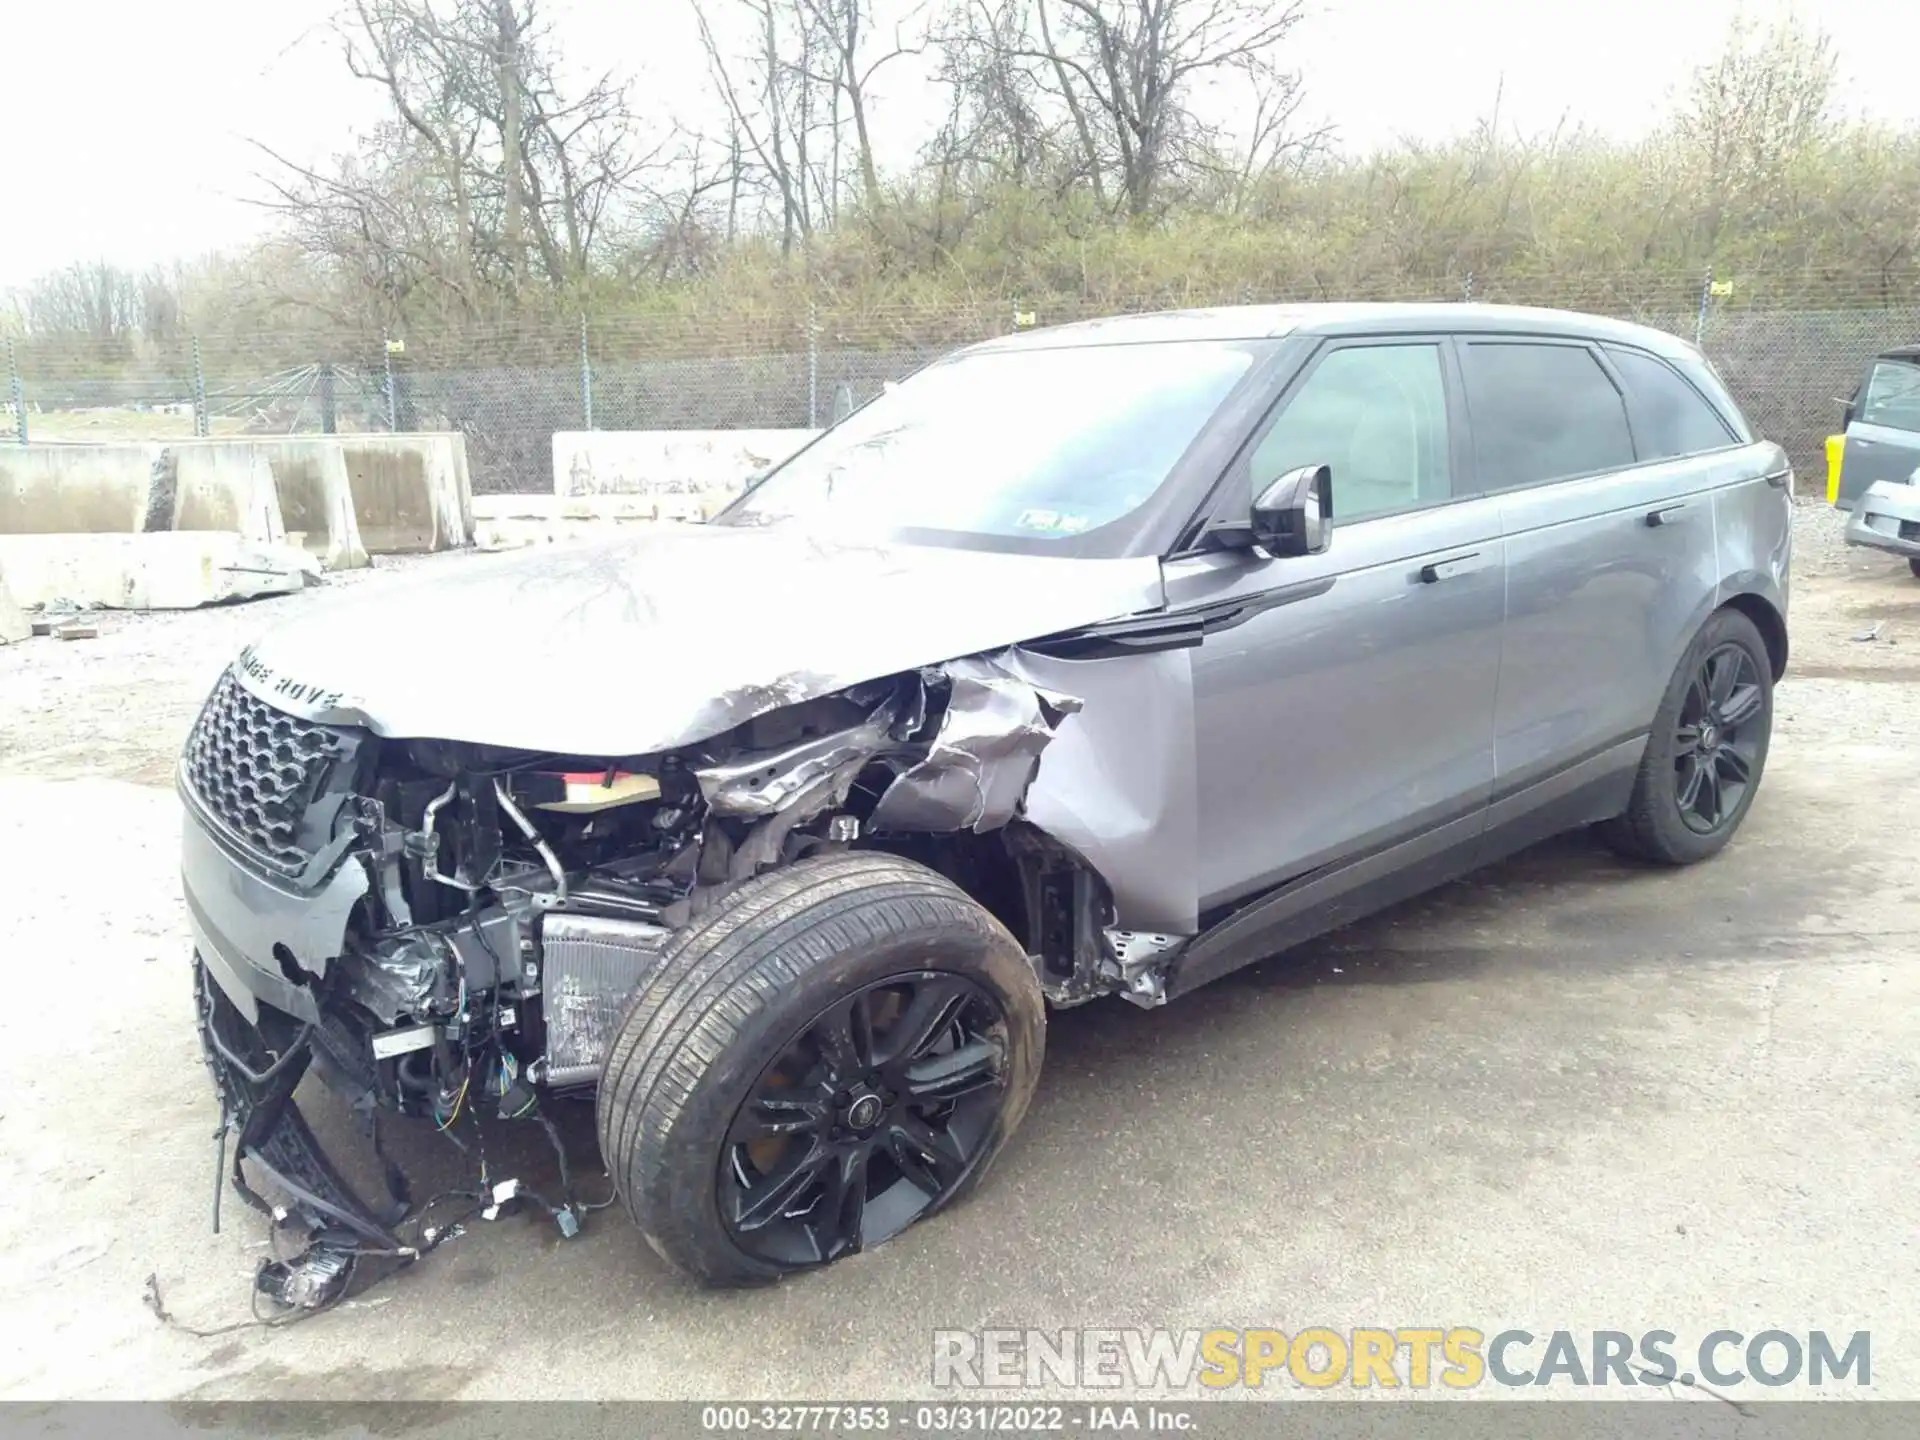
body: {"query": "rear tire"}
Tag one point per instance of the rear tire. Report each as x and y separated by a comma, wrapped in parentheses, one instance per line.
(1913, 564)
(838, 1051)
(1707, 749)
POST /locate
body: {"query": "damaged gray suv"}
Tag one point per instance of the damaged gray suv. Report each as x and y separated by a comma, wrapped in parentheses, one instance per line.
(1090, 662)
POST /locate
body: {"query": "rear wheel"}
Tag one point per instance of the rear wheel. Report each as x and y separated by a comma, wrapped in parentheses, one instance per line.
(838, 1051)
(1708, 747)
(1913, 564)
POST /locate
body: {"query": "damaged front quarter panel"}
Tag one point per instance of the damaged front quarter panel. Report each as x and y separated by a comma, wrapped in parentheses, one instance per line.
(983, 756)
(970, 774)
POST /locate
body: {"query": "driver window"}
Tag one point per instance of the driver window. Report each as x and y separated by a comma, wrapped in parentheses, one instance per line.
(1377, 414)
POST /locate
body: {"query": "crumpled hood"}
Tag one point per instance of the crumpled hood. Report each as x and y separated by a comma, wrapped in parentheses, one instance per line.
(662, 639)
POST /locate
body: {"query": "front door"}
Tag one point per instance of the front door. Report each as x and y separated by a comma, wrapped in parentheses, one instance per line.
(1883, 433)
(1347, 706)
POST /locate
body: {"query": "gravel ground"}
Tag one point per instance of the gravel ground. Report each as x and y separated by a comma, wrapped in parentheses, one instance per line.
(1564, 1094)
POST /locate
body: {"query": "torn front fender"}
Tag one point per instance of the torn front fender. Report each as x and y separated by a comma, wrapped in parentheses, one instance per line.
(1118, 785)
(982, 758)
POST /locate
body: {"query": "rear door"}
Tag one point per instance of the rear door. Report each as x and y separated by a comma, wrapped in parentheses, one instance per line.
(1605, 460)
(1883, 435)
(1343, 705)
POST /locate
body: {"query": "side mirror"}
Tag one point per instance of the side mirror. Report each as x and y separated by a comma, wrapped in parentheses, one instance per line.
(1294, 515)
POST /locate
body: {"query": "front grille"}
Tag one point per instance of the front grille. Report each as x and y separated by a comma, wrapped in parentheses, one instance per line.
(257, 770)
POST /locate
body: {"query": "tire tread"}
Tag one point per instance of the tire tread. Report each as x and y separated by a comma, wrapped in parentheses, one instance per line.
(727, 970)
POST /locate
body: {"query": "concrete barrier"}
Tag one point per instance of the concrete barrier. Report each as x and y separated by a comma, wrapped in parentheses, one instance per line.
(338, 496)
(171, 570)
(666, 462)
(316, 503)
(91, 489)
(227, 488)
(411, 493)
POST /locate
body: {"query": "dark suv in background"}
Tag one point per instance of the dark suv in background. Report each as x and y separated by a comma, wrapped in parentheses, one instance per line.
(1090, 662)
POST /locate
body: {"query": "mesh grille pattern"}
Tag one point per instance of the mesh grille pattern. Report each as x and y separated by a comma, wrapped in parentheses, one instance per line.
(257, 769)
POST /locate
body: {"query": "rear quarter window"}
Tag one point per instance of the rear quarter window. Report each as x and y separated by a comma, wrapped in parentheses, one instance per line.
(1670, 417)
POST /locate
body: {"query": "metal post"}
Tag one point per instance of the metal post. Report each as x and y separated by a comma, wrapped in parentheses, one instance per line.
(813, 368)
(329, 403)
(1706, 298)
(19, 389)
(393, 414)
(586, 377)
(1466, 288)
(200, 427)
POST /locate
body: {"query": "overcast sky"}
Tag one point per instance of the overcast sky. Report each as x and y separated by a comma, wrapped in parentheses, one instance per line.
(125, 126)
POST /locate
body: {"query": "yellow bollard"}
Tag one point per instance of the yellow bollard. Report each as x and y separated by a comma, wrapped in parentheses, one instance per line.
(1836, 447)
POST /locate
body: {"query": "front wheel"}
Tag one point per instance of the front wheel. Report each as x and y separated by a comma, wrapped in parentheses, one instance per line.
(838, 1051)
(1708, 747)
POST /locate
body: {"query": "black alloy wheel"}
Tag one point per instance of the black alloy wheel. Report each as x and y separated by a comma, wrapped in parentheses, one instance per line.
(872, 1114)
(1716, 745)
(836, 1052)
(1706, 749)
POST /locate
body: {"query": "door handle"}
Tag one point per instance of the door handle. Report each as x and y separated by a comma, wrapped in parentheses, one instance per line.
(1435, 571)
(1666, 514)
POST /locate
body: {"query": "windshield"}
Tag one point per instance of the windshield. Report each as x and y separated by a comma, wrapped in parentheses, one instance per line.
(1031, 444)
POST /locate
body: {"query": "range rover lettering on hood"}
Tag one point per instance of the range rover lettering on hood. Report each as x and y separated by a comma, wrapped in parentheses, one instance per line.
(284, 690)
(681, 634)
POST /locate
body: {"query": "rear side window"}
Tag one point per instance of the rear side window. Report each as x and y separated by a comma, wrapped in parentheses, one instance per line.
(1541, 413)
(1893, 396)
(1670, 418)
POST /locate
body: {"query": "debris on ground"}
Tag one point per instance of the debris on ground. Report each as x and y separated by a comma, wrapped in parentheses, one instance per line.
(1868, 636)
(77, 632)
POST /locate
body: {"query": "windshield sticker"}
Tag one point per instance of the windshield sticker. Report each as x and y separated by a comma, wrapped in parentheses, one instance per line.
(1053, 522)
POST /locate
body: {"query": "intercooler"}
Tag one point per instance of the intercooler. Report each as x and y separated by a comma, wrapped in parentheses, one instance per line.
(591, 965)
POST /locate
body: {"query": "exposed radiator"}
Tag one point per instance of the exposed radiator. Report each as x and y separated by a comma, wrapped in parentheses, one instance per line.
(590, 968)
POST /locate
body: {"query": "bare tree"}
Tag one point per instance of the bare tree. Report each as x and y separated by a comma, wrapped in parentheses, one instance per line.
(1751, 113)
(92, 298)
(487, 174)
(1125, 86)
(796, 80)
(996, 127)
(845, 28)
(766, 67)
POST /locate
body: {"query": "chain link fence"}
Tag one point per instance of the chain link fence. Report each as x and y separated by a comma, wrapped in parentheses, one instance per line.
(1789, 349)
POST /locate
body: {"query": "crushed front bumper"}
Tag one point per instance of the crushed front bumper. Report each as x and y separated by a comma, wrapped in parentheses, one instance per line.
(1887, 517)
(271, 965)
(259, 944)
